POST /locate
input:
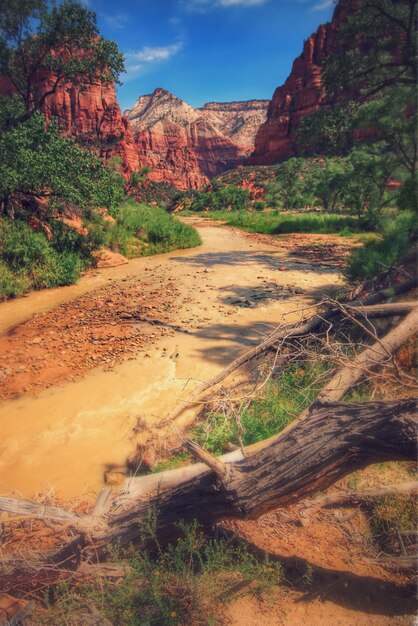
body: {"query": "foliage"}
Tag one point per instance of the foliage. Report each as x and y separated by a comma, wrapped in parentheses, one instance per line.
(378, 49)
(37, 162)
(377, 256)
(63, 39)
(183, 583)
(288, 186)
(273, 224)
(328, 131)
(229, 198)
(142, 230)
(29, 261)
(282, 400)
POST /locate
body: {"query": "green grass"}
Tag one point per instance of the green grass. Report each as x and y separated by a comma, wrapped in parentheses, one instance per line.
(282, 400)
(143, 230)
(29, 260)
(276, 224)
(183, 583)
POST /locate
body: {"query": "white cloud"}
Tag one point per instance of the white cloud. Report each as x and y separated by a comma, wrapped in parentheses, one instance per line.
(323, 5)
(148, 54)
(204, 5)
(143, 59)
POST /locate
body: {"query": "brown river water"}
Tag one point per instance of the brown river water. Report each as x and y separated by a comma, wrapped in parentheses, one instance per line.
(63, 439)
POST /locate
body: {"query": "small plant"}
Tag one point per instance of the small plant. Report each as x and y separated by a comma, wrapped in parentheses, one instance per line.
(183, 583)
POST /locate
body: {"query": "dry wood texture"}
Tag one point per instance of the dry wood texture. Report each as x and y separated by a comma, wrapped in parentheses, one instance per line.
(332, 441)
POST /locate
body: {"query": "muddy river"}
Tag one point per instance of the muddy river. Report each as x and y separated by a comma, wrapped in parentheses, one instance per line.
(229, 291)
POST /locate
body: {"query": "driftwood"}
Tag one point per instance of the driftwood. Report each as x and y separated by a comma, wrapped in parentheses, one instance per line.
(373, 356)
(298, 329)
(334, 440)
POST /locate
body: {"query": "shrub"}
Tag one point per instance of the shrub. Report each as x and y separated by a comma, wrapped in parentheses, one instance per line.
(282, 400)
(29, 261)
(179, 584)
(376, 256)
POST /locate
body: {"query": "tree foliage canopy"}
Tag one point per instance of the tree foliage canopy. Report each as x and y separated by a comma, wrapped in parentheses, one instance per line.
(37, 36)
(37, 161)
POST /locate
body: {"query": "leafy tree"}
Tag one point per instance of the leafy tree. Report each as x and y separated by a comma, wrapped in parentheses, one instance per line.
(328, 131)
(288, 188)
(37, 162)
(367, 175)
(378, 49)
(63, 39)
(329, 182)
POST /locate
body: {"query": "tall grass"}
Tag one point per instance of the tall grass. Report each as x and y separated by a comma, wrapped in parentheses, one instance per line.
(275, 224)
(143, 230)
(282, 400)
(177, 585)
(28, 260)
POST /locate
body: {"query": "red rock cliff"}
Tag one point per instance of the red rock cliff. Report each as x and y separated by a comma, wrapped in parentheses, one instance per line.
(187, 147)
(302, 93)
(91, 114)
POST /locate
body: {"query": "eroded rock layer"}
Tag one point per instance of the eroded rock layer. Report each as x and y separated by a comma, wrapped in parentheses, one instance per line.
(302, 93)
(92, 115)
(187, 147)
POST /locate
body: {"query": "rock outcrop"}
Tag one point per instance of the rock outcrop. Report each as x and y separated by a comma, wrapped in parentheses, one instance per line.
(302, 93)
(239, 121)
(91, 114)
(187, 147)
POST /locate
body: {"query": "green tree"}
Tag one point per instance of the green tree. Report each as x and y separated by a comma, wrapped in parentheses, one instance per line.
(289, 187)
(378, 49)
(329, 183)
(63, 39)
(366, 177)
(37, 163)
(328, 131)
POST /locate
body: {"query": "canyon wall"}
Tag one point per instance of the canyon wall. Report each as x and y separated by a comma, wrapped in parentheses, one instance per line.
(187, 147)
(302, 93)
(91, 114)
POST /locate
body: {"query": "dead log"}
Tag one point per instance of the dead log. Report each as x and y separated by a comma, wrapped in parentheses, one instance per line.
(373, 356)
(46, 512)
(334, 440)
(298, 329)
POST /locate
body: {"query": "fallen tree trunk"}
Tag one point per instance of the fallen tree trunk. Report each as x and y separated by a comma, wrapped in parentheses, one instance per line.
(331, 442)
(373, 356)
(367, 307)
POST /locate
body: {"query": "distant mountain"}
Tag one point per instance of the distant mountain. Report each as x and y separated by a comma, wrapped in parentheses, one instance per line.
(187, 147)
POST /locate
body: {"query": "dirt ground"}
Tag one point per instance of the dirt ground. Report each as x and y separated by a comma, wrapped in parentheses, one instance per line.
(79, 365)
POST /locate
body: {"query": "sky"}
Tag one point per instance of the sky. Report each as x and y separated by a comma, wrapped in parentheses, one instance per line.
(208, 50)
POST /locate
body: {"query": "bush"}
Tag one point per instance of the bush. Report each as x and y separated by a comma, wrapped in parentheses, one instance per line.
(377, 256)
(259, 206)
(29, 261)
(143, 230)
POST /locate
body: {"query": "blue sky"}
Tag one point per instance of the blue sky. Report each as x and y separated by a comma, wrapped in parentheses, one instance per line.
(208, 50)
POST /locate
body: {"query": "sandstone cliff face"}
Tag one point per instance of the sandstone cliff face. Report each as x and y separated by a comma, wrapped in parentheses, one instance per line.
(91, 114)
(185, 146)
(239, 121)
(302, 93)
